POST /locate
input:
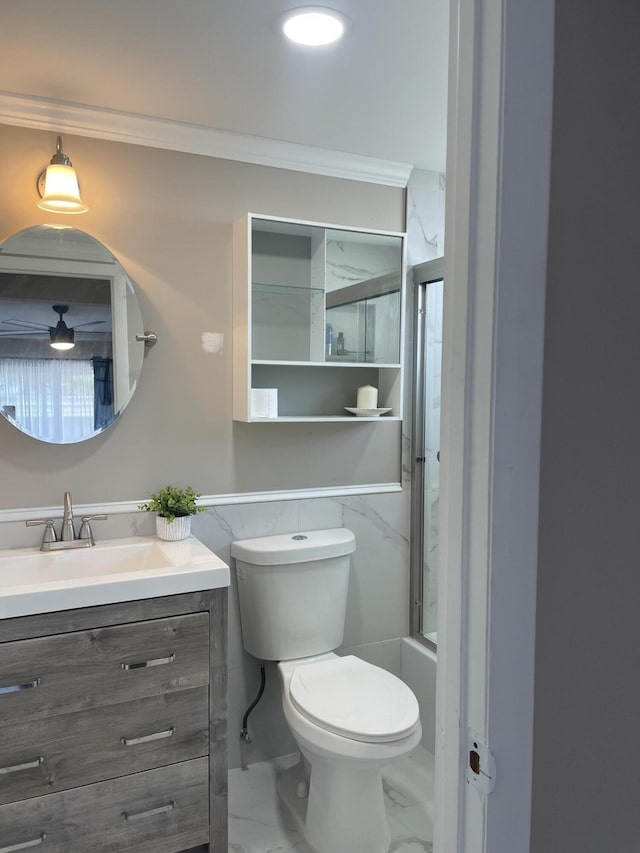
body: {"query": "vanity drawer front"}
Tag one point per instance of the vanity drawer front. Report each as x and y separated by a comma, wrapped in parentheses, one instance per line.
(159, 811)
(73, 672)
(57, 753)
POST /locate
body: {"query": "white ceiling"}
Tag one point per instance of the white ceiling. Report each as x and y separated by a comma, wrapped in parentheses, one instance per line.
(381, 92)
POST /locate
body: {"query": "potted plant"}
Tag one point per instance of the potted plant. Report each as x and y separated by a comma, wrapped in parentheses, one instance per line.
(174, 508)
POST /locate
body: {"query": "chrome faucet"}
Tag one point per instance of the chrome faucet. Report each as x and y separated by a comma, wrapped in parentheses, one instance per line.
(67, 531)
(50, 541)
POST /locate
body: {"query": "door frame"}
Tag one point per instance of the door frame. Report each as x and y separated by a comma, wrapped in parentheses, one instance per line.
(498, 176)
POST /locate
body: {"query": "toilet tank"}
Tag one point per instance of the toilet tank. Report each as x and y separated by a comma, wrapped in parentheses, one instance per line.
(292, 590)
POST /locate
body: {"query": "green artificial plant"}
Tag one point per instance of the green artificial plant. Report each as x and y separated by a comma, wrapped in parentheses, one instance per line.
(172, 502)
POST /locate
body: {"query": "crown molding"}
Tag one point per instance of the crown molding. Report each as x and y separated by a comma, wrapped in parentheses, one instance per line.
(133, 129)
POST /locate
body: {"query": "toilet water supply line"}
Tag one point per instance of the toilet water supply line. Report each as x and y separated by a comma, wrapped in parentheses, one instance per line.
(245, 737)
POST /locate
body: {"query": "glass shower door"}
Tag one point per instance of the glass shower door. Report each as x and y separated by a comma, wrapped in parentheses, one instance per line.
(426, 445)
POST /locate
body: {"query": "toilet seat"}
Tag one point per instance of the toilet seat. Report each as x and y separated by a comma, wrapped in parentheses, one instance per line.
(354, 699)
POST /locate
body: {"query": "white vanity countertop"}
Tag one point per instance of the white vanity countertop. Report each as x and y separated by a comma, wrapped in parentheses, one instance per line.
(34, 581)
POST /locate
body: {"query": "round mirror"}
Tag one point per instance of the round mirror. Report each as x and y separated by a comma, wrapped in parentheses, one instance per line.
(69, 359)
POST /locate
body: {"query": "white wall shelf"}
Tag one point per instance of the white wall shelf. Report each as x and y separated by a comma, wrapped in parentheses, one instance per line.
(298, 288)
(332, 363)
(322, 419)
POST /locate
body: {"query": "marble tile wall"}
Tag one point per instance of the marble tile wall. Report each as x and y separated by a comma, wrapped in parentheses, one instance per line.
(425, 241)
(350, 261)
(425, 216)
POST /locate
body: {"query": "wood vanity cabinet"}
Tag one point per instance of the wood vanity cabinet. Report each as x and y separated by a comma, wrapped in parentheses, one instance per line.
(113, 728)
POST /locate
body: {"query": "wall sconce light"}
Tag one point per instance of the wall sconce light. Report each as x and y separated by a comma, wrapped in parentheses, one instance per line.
(58, 185)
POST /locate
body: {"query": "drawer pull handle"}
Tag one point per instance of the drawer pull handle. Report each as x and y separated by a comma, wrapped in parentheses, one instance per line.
(24, 845)
(14, 688)
(132, 741)
(150, 813)
(143, 663)
(28, 765)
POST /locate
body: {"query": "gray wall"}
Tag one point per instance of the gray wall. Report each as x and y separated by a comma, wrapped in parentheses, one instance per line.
(587, 698)
(167, 217)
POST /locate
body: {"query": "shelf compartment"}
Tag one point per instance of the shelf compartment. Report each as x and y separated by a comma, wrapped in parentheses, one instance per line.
(287, 322)
(308, 394)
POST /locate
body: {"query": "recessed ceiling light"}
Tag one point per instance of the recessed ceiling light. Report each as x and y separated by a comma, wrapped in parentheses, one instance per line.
(313, 25)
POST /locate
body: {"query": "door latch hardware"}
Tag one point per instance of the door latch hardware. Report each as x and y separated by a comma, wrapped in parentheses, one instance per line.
(481, 766)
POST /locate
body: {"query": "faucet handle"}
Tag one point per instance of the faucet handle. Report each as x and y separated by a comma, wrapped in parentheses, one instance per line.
(85, 528)
(49, 534)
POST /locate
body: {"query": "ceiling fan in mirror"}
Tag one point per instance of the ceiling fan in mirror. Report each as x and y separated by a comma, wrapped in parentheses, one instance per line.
(61, 336)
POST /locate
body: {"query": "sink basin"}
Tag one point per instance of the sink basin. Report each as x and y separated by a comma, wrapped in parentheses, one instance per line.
(33, 581)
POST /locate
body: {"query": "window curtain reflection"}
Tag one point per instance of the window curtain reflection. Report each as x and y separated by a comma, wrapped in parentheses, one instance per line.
(103, 392)
(52, 398)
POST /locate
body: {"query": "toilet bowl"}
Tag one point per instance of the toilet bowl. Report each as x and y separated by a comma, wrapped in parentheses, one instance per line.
(349, 717)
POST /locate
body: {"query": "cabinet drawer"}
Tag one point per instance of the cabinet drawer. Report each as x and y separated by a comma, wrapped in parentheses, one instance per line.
(159, 811)
(73, 672)
(56, 753)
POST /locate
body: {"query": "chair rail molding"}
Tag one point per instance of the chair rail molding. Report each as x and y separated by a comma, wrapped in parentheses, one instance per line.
(120, 507)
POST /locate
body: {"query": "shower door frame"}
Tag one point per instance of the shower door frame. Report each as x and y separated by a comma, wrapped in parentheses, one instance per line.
(424, 274)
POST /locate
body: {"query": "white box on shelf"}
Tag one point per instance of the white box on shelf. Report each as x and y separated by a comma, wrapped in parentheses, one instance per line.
(264, 402)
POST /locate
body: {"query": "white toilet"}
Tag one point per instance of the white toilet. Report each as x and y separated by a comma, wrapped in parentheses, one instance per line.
(349, 718)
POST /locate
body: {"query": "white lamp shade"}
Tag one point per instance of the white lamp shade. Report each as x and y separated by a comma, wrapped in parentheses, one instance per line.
(61, 193)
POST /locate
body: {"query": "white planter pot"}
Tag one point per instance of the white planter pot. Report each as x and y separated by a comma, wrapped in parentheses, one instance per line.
(179, 528)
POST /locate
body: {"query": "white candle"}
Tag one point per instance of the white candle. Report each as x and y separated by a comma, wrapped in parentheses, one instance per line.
(367, 397)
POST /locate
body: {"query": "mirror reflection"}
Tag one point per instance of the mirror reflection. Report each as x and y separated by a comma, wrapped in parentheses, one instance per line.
(325, 294)
(363, 297)
(69, 359)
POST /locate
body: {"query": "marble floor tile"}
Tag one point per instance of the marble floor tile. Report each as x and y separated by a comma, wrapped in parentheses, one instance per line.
(260, 823)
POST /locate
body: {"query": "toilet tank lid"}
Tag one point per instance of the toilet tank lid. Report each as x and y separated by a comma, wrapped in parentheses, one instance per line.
(299, 547)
